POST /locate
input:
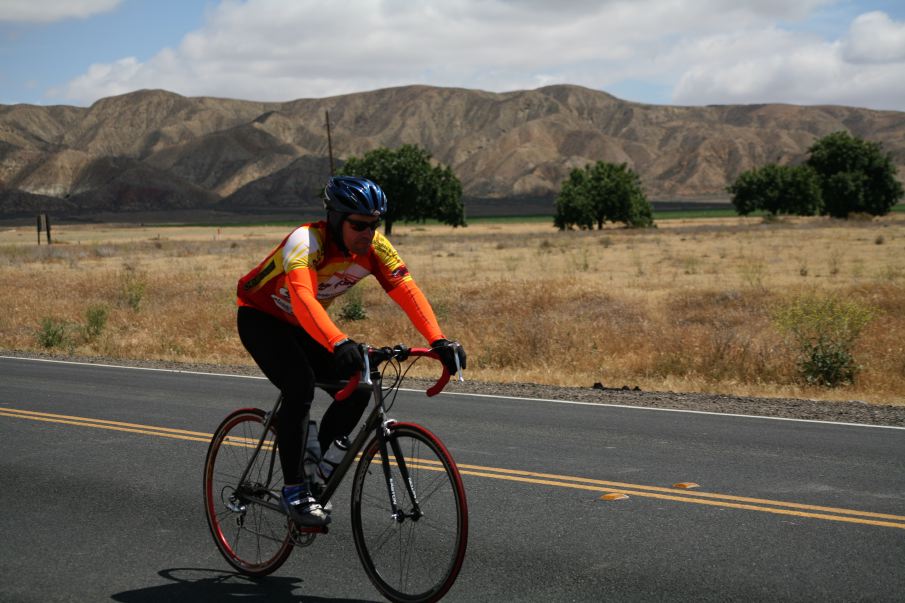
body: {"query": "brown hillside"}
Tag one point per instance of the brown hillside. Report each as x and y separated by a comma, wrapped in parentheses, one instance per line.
(174, 151)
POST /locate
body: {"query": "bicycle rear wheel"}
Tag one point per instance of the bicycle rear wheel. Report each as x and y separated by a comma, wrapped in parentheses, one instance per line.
(252, 536)
(416, 555)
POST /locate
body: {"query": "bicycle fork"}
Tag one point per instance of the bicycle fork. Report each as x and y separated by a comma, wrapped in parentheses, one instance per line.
(399, 515)
(384, 435)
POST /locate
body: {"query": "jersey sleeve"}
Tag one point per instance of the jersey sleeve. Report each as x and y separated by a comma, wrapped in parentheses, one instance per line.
(312, 316)
(387, 265)
(394, 277)
(304, 248)
(302, 253)
(412, 300)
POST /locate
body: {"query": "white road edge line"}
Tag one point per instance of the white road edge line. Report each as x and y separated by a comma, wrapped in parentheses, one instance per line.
(549, 400)
(134, 368)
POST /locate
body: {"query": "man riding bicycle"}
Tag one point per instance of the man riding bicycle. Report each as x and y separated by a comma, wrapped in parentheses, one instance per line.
(284, 325)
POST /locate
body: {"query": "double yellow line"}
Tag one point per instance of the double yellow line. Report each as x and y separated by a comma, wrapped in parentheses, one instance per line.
(700, 498)
(529, 477)
(163, 432)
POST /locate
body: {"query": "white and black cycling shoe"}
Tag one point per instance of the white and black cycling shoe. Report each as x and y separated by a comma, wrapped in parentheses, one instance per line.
(317, 487)
(302, 508)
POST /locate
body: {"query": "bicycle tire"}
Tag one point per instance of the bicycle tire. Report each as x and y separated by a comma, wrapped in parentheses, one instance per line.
(253, 539)
(415, 559)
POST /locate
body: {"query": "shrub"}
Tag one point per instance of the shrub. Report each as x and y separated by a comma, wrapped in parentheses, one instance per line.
(824, 330)
(132, 288)
(354, 308)
(95, 321)
(52, 333)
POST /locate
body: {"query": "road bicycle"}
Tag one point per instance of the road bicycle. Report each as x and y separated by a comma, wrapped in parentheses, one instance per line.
(408, 509)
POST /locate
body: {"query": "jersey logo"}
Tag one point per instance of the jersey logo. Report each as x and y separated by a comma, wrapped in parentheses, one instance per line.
(252, 283)
(400, 272)
(283, 303)
(337, 285)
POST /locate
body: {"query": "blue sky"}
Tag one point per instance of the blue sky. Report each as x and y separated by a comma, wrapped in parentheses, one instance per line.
(681, 52)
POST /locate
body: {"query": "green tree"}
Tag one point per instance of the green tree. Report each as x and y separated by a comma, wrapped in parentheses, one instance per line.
(801, 191)
(415, 188)
(599, 193)
(446, 190)
(573, 205)
(777, 189)
(856, 176)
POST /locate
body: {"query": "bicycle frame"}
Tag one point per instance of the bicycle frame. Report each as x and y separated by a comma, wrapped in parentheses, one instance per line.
(371, 425)
(376, 423)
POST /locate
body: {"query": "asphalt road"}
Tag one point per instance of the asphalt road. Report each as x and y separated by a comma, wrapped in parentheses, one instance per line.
(101, 498)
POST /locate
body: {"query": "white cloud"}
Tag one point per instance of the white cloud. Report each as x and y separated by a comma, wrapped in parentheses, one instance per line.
(45, 11)
(875, 38)
(711, 51)
(866, 69)
(120, 77)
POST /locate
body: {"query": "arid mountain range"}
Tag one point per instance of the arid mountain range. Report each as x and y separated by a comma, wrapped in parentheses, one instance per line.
(153, 150)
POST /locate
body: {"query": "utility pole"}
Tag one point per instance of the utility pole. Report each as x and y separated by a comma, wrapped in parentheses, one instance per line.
(330, 143)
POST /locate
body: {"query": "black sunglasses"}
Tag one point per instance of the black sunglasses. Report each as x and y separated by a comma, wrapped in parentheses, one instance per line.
(361, 225)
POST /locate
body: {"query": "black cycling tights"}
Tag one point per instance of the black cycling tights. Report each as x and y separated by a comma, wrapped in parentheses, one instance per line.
(293, 361)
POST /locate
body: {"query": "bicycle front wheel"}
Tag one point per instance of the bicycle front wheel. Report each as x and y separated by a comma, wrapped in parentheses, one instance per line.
(415, 553)
(245, 519)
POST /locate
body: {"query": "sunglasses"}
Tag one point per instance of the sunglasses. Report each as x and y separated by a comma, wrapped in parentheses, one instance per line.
(361, 225)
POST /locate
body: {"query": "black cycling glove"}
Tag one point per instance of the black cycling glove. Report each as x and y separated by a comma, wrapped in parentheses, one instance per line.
(447, 351)
(348, 359)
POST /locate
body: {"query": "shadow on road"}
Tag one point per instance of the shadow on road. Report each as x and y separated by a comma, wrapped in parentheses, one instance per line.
(199, 584)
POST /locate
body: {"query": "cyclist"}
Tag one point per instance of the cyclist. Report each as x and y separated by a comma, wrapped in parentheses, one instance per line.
(284, 325)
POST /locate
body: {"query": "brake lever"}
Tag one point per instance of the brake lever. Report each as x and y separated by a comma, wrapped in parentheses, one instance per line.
(367, 370)
(460, 378)
(401, 352)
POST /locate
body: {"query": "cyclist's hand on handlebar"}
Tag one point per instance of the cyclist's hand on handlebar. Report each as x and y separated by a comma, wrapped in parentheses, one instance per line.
(348, 358)
(447, 351)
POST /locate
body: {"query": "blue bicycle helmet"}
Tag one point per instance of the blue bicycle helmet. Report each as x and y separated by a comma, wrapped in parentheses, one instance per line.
(353, 195)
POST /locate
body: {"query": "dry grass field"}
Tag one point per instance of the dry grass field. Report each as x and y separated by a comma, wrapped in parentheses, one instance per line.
(689, 306)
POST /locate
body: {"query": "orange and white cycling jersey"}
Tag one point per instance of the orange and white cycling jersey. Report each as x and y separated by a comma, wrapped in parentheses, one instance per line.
(299, 279)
